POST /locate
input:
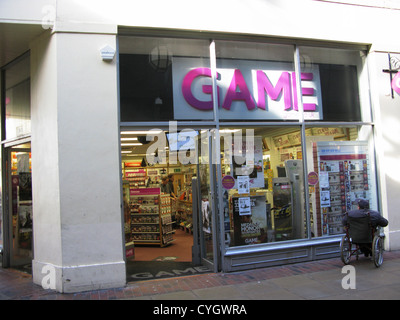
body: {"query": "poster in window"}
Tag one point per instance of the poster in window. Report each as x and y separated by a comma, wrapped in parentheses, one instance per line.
(250, 228)
(243, 184)
(244, 206)
(344, 177)
(252, 168)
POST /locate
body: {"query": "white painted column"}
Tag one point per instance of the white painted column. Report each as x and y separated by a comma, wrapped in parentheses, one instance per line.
(387, 144)
(78, 226)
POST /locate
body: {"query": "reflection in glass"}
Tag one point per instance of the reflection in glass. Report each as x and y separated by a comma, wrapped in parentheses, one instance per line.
(343, 82)
(264, 193)
(152, 71)
(17, 99)
(21, 207)
(342, 162)
(206, 201)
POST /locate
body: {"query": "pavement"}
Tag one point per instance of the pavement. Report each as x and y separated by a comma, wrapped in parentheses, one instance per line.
(315, 280)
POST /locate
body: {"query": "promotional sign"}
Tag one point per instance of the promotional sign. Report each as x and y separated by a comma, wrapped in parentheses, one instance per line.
(228, 182)
(144, 191)
(248, 175)
(249, 220)
(243, 183)
(245, 90)
(343, 178)
(312, 178)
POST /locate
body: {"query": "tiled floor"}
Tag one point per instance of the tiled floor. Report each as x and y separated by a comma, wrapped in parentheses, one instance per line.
(311, 280)
(181, 249)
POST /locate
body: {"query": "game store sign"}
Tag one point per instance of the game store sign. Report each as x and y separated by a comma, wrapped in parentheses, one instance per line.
(396, 83)
(250, 90)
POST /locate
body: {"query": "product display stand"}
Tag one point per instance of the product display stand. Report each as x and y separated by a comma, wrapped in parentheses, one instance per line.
(343, 178)
(151, 221)
(166, 221)
(184, 215)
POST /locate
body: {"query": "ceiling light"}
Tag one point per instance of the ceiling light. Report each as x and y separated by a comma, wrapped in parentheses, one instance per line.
(130, 144)
(229, 130)
(152, 132)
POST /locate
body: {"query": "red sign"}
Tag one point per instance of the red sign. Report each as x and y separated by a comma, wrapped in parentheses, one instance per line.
(228, 182)
(312, 178)
(145, 191)
(130, 252)
(132, 164)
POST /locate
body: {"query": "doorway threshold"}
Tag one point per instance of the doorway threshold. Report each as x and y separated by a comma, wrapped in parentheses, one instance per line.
(161, 269)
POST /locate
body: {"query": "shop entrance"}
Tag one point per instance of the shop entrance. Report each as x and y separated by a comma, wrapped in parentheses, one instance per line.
(18, 219)
(168, 204)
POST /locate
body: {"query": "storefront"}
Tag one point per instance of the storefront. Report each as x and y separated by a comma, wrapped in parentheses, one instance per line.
(285, 148)
(269, 131)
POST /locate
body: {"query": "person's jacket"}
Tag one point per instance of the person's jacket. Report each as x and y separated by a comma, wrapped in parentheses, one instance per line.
(376, 218)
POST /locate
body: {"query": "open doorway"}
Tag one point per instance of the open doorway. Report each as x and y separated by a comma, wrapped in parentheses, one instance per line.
(18, 218)
(161, 216)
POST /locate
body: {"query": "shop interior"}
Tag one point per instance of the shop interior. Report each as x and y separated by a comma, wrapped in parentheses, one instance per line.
(158, 214)
(159, 226)
(19, 240)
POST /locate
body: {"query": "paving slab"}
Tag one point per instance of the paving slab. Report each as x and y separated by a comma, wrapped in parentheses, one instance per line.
(315, 280)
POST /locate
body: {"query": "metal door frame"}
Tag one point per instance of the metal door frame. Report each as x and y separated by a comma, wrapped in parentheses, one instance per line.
(199, 253)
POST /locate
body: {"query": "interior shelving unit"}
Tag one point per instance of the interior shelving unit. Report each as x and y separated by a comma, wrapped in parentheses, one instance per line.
(151, 220)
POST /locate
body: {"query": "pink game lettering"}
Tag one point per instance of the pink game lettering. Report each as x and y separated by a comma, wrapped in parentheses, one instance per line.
(238, 90)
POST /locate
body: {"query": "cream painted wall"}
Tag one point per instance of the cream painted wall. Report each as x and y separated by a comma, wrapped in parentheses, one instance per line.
(45, 175)
(387, 145)
(77, 208)
(75, 160)
(88, 132)
(283, 18)
(359, 22)
(24, 11)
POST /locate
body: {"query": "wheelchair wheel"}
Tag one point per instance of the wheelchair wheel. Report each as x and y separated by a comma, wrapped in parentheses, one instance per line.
(345, 249)
(377, 251)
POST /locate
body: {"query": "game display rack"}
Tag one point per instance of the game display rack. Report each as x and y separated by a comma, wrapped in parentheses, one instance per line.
(151, 220)
(343, 178)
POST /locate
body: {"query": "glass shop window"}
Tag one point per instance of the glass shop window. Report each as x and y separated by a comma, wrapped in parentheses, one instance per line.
(263, 185)
(340, 84)
(155, 78)
(341, 169)
(17, 99)
(263, 181)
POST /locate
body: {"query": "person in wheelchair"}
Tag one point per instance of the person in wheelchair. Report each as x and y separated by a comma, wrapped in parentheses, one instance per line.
(376, 220)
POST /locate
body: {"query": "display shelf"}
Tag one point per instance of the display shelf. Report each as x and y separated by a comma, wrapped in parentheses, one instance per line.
(136, 177)
(166, 221)
(343, 178)
(184, 215)
(151, 222)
